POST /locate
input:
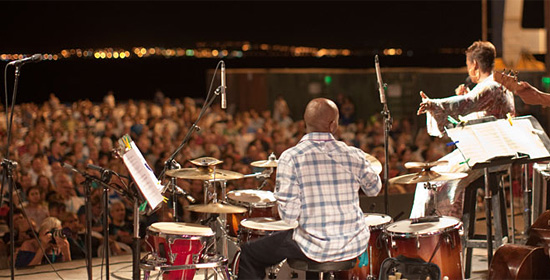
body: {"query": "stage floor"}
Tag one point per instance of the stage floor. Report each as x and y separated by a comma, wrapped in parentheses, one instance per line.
(121, 268)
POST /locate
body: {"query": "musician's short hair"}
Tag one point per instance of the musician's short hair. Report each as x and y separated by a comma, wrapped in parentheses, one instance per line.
(484, 53)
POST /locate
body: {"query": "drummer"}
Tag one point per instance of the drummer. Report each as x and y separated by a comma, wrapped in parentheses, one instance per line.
(317, 188)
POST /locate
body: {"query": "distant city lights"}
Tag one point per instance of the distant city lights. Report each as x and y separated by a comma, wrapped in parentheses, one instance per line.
(205, 50)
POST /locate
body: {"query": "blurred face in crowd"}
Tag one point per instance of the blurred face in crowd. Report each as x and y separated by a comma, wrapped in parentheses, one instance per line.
(34, 196)
(118, 213)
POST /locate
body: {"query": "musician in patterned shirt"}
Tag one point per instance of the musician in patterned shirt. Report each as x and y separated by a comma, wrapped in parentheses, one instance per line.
(317, 188)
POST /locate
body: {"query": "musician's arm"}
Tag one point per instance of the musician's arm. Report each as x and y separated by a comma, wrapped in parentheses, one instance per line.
(531, 95)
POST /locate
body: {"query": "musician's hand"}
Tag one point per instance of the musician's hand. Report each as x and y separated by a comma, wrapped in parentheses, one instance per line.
(424, 105)
(461, 90)
(529, 94)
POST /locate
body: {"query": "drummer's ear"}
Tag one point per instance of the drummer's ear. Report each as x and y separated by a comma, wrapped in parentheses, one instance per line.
(333, 126)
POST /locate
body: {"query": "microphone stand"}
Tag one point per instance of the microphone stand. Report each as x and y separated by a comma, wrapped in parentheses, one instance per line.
(171, 163)
(9, 166)
(89, 179)
(387, 127)
(105, 178)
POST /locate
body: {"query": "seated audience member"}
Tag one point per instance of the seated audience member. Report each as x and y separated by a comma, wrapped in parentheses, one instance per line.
(49, 244)
(57, 209)
(66, 190)
(120, 228)
(77, 237)
(35, 207)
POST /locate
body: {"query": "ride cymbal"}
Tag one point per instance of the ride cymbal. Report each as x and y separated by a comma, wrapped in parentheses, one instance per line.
(375, 164)
(426, 176)
(217, 208)
(204, 174)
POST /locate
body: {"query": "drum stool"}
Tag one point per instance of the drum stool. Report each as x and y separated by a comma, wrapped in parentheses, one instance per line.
(321, 267)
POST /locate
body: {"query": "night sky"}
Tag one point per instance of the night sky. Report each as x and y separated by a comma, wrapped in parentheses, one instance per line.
(423, 27)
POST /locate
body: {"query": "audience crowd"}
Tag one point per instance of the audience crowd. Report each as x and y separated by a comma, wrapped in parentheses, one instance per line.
(50, 197)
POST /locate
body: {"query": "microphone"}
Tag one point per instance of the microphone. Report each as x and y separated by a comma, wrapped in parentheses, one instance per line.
(35, 58)
(97, 168)
(70, 168)
(379, 79)
(224, 101)
(179, 190)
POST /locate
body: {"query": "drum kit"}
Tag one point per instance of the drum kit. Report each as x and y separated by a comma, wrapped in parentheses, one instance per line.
(178, 250)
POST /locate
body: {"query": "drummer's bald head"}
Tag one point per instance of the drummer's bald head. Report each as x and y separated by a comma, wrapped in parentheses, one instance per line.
(321, 115)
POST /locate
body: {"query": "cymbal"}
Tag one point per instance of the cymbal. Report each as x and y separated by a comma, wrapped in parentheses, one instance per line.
(216, 208)
(426, 176)
(425, 165)
(205, 161)
(203, 173)
(270, 162)
(375, 164)
(265, 163)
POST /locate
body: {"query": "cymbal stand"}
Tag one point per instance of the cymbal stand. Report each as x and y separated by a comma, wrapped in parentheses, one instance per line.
(431, 205)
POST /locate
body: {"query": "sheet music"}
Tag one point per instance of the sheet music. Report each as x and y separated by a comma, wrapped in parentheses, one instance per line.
(483, 141)
(143, 175)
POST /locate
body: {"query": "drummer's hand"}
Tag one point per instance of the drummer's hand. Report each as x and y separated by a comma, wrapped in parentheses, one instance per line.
(461, 90)
(425, 105)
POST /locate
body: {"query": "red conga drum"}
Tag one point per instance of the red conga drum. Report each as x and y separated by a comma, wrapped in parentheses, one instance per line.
(178, 244)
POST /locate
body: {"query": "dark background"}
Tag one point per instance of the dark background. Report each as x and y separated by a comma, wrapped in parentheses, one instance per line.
(423, 29)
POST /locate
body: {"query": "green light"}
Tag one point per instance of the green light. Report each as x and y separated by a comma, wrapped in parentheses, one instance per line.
(328, 80)
(189, 52)
(546, 81)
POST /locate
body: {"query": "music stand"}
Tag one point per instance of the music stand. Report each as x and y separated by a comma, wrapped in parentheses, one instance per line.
(488, 145)
(148, 188)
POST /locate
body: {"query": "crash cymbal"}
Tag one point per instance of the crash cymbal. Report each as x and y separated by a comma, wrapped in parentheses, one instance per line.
(426, 176)
(203, 173)
(205, 161)
(265, 163)
(376, 165)
(270, 162)
(216, 208)
(425, 165)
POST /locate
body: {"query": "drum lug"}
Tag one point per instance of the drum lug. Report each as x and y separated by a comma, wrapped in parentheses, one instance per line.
(171, 255)
(393, 244)
(196, 258)
(417, 243)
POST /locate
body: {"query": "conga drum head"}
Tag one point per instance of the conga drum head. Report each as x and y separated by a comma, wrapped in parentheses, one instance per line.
(408, 227)
(251, 198)
(174, 228)
(375, 220)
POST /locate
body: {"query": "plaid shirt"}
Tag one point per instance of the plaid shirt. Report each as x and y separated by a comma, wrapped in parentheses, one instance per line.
(317, 185)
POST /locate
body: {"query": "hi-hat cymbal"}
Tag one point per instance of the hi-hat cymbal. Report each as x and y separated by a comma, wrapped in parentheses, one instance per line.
(204, 174)
(426, 176)
(216, 208)
(205, 161)
(375, 164)
(425, 165)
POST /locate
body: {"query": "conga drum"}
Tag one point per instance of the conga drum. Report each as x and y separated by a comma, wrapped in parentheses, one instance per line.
(434, 242)
(178, 244)
(376, 249)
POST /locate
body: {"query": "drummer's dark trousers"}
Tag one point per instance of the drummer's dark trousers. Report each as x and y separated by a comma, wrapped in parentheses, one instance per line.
(261, 253)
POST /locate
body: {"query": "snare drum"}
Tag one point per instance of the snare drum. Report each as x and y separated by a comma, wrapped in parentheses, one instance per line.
(255, 228)
(376, 249)
(178, 244)
(439, 239)
(259, 204)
